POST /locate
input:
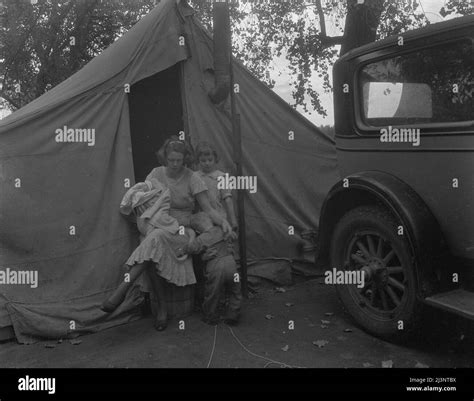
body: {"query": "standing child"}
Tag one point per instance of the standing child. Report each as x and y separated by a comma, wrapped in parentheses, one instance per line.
(220, 200)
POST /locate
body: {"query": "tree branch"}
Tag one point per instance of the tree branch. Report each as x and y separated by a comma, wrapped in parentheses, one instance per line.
(322, 21)
(9, 100)
(326, 41)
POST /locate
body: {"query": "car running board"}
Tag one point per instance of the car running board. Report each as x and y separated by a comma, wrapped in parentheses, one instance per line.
(460, 302)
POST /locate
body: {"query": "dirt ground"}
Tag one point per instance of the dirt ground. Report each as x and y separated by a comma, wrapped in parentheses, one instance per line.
(264, 332)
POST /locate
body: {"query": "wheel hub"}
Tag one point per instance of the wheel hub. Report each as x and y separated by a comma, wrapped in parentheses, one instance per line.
(376, 270)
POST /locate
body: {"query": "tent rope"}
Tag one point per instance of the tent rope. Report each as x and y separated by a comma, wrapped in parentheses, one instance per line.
(213, 347)
(270, 361)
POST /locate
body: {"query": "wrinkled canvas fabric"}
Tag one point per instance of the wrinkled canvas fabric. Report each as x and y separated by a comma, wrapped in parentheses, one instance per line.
(73, 187)
(64, 221)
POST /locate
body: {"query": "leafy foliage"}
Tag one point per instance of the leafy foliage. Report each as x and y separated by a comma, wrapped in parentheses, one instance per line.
(35, 48)
(462, 7)
(292, 29)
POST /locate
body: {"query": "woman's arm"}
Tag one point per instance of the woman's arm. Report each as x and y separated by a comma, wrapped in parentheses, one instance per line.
(216, 218)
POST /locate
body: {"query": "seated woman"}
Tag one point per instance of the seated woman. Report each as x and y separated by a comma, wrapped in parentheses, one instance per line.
(185, 189)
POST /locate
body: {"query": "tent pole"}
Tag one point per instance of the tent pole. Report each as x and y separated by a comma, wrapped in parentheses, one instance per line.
(237, 142)
(184, 102)
(241, 210)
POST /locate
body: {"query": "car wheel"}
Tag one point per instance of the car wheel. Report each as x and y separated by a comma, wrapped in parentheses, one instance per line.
(367, 239)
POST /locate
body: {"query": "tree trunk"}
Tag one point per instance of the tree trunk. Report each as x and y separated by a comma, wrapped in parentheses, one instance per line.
(361, 23)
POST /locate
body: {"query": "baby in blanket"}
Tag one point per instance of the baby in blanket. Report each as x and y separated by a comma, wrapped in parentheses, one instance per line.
(149, 203)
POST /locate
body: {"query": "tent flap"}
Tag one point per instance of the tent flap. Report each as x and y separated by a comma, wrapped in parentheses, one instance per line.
(66, 160)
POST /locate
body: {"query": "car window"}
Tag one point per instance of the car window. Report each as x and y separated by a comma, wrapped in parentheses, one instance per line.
(432, 85)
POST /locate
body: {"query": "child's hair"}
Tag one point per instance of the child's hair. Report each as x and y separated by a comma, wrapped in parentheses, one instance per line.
(173, 144)
(206, 149)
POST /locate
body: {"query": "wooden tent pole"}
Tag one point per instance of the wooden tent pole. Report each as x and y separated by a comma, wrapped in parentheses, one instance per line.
(237, 142)
(241, 209)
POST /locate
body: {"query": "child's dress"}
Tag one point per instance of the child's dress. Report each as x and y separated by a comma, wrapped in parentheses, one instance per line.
(216, 196)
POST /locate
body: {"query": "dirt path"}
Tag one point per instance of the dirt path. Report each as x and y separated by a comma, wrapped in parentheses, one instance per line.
(138, 345)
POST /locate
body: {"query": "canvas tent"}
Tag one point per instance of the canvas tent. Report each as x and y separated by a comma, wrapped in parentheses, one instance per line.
(59, 200)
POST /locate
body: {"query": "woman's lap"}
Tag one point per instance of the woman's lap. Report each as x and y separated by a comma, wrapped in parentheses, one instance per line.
(160, 247)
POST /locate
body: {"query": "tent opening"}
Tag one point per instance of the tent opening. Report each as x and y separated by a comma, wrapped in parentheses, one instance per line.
(155, 114)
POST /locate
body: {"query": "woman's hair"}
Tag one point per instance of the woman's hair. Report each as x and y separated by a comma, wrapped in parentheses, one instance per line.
(206, 149)
(173, 144)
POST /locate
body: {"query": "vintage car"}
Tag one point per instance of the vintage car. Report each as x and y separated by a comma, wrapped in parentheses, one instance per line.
(404, 212)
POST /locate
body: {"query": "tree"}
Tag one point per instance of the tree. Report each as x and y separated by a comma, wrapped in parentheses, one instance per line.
(43, 44)
(461, 7)
(36, 49)
(298, 31)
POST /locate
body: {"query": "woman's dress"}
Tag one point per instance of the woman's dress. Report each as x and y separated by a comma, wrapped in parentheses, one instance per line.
(161, 246)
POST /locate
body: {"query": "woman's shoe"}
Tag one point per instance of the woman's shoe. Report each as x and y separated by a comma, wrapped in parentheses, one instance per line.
(160, 325)
(108, 307)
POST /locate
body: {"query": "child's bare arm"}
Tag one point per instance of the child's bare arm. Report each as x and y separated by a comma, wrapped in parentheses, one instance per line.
(229, 208)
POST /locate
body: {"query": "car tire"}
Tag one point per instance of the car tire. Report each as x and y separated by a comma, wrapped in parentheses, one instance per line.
(368, 238)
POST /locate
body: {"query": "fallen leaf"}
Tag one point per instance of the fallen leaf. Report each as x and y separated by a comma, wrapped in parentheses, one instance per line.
(280, 289)
(320, 343)
(325, 322)
(324, 326)
(421, 365)
(50, 345)
(341, 338)
(268, 316)
(289, 304)
(387, 364)
(329, 313)
(285, 348)
(347, 330)
(75, 342)
(367, 365)
(311, 325)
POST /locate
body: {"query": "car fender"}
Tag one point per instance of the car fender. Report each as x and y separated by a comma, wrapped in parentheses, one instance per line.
(419, 224)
